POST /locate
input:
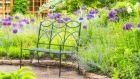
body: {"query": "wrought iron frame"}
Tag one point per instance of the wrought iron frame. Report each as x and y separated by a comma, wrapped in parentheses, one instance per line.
(52, 27)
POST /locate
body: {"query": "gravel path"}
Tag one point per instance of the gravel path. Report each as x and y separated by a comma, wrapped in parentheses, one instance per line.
(46, 72)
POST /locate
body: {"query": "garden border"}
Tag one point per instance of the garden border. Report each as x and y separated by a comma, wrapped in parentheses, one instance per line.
(87, 75)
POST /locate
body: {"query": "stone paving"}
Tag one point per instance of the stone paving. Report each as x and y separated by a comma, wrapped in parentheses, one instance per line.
(48, 72)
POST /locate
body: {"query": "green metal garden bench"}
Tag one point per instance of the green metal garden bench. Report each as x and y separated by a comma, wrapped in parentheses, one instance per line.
(57, 38)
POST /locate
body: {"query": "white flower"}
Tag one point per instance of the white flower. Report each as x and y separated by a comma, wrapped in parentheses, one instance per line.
(137, 5)
(129, 10)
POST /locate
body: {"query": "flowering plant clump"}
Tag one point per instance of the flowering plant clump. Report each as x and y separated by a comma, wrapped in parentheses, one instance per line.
(15, 23)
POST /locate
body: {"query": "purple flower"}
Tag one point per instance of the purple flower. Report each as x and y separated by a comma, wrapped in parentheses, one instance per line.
(58, 15)
(111, 14)
(89, 16)
(4, 23)
(81, 18)
(111, 19)
(83, 7)
(16, 17)
(27, 22)
(138, 25)
(32, 20)
(85, 26)
(77, 12)
(96, 11)
(9, 18)
(21, 24)
(117, 10)
(91, 62)
(8, 23)
(66, 19)
(92, 12)
(14, 31)
(51, 16)
(116, 18)
(59, 21)
(123, 9)
(127, 26)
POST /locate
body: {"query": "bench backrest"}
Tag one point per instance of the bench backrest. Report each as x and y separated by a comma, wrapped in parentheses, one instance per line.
(59, 35)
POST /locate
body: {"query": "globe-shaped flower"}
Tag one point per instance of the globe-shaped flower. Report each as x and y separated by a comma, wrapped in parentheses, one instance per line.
(77, 12)
(16, 17)
(81, 18)
(14, 31)
(32, 20)
(85, 26)
(51, 16)
(21, 24)
(116, 18)
(9, 18)
(116, 9)
(14, 24)
(27, 22)
(92, 12)
(59, 21)
(58, 15)
(111, 14)
(123, 9)
(138, 25)
(8, 23)
(4, 23)
(127, 26)
(83, 7)
(89, 16)
(66, 19)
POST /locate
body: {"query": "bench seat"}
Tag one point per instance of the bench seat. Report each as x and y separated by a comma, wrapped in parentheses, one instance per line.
(49, 50)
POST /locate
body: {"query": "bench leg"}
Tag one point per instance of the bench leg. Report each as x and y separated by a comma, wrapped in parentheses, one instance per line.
(60, 65)
(38, 56)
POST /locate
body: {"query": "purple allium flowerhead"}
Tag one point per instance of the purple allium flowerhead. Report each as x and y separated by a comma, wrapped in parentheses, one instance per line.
(111, 19)
(32, 20)
(127, 26)
(51, 16)
(14, 31)
(9, 18)
(81, 18)
(111, 14)
(116, 18)
(85, 26)
(83, 7)
(20, 24)
(66, 19)
(89, 16)
(59, 21)
(4, 23)
(16, 17)
(58, 15)
(116, 9)
(8, 23)
(138, 25)
(77, 12)
(92, 12)
(123, 9)
(96, 10)
(27, 22)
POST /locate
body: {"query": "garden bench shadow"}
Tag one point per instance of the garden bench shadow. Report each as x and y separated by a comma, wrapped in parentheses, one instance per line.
(57, 38)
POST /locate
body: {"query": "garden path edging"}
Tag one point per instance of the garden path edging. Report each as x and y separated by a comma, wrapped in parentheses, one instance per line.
(54, 63)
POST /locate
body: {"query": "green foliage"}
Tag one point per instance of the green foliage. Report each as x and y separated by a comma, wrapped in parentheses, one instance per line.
(22, 73)
(20, 6)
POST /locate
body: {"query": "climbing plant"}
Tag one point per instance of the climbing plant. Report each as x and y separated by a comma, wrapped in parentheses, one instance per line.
(20, 6)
